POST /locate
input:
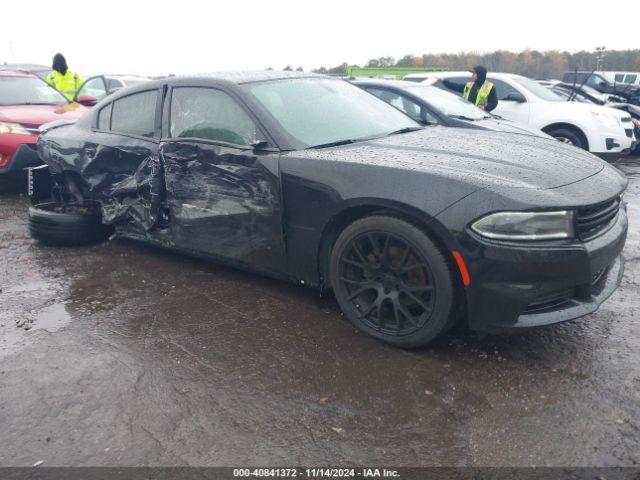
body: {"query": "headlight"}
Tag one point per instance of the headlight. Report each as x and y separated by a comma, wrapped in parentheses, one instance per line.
(610, 121)
(526, 225)
(13, 128)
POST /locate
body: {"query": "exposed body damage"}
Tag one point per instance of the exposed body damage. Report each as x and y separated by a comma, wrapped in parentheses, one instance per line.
(276, 208)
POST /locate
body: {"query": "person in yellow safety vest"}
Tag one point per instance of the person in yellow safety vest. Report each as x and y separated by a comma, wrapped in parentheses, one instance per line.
(63, 79)
(478, 91)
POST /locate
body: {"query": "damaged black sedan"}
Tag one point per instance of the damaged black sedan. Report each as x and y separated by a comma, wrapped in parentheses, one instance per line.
(313, 180)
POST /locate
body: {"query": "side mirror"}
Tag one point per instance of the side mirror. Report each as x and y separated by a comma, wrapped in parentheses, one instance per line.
(515, 97)
(87, 100)
(261, 146)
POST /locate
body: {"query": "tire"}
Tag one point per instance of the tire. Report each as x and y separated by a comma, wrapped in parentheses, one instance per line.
(61, 224)
(569, 136)
(392, 281)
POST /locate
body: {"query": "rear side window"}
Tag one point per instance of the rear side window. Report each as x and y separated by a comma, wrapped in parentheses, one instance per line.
(619, 77)
(104, 118)
(210, 114)
(135, 114)
(630, 78)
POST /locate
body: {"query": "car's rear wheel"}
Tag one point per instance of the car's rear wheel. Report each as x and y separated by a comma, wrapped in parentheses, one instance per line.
(392, 281)
(569, 137)
(67, 224)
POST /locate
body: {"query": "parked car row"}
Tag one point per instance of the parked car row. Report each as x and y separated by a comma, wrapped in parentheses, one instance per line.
(414, 223)
(603, 131)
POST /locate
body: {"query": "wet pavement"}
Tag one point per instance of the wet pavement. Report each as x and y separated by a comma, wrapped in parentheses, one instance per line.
(118, 354)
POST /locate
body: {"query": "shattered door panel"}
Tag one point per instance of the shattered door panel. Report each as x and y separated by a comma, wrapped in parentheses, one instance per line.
(132, 190)
(225, 202)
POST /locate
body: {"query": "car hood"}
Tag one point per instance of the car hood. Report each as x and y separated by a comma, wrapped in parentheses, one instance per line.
(36, 115)
(499, 124)
(587, 110)
(478, 157)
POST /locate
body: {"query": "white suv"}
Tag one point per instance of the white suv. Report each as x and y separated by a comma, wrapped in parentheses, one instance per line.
(603, 131)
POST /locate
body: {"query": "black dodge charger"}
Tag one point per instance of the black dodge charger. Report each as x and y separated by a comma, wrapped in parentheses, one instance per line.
(313, 180)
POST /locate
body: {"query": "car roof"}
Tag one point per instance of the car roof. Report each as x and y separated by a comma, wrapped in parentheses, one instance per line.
(16, 73)
(402, 84)
(214, 78)
(240, 77)
(126, 77)
(460, 74)
(23, 66)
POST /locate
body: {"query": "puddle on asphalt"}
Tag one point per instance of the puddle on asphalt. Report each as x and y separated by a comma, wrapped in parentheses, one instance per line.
(51, 318)
(14, 337)
(38, 285)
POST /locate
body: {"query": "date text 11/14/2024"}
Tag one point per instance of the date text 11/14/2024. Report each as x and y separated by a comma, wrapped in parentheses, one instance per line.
(315, 472)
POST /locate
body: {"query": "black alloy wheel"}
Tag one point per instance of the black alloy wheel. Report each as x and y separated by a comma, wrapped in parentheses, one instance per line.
(392, 281)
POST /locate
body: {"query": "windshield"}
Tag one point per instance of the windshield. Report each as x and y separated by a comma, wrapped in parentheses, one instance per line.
(28, 91)
(578, 97)
(317, 111)
(591, 91)
(538, 90)
(448, 103)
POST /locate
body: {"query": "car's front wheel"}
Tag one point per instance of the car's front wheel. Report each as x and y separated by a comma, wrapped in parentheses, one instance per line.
(392, 281)
(569, 137)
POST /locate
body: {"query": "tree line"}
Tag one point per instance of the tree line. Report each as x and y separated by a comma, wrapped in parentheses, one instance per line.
(530, 63)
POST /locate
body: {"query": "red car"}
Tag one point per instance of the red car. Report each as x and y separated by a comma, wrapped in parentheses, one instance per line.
(26, 103)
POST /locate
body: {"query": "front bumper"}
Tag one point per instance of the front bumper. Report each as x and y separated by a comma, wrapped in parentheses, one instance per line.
(24, 157)
(515, 287)
(613, 143)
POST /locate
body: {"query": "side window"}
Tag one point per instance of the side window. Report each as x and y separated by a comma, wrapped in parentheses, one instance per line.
(410, 107)
(405, 104)
(630, 78)
(459, 80)
(93, 87)
(502, 88)
(135, 114)
(595, 80)
(210, 114)
(104, 118)
(398, 101)
(620, 77)
(114, 84)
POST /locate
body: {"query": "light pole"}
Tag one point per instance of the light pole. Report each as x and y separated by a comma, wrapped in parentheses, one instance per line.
(600, 57)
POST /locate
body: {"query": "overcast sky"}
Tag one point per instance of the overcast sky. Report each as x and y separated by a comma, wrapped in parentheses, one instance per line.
(187, 36)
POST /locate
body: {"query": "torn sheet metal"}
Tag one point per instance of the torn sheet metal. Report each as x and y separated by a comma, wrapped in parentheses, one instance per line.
(195, 196)
(126, 179)
(224, 201)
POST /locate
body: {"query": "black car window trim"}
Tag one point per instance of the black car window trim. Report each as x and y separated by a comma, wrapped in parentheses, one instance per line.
(166, 134)
(157, 120)
(97, 129)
